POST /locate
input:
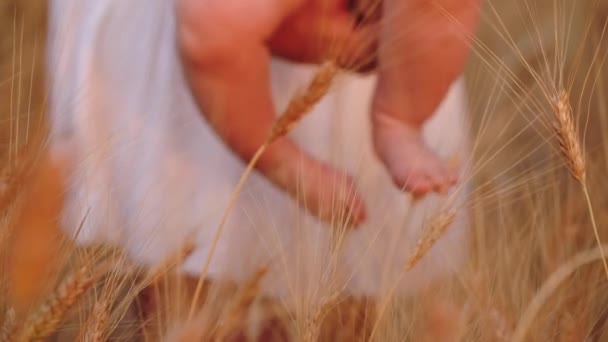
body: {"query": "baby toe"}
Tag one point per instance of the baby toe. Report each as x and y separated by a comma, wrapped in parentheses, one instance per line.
(454, 177)
(444, 179)
(419, 185)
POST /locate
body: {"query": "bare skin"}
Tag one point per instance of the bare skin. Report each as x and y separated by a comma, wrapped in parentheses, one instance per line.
(226, 47)
(417, 65)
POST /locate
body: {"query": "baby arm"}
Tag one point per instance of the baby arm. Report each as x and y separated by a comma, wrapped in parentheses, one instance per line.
(423, 48)
(223, 44)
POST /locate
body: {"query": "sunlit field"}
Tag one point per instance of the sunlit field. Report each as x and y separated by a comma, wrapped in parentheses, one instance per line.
(539, 112)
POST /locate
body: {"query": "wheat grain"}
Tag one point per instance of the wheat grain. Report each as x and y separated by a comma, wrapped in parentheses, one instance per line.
(96, 327)
(565, 132)
(300, 105)
(572, 152)
(434, 231)
(47, 319)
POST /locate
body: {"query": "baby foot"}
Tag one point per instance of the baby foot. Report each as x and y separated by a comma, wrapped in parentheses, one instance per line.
(326, 192)
(411, 164)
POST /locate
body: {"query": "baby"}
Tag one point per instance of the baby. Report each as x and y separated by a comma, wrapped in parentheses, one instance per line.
(155, 105)
(226, 47)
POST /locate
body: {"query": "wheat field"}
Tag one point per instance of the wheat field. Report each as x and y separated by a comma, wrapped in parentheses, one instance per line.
(537, 90)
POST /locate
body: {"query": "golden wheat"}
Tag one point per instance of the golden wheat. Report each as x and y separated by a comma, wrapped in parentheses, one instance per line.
(565, 132)
(573, 154)
(46, 320)
(237, 313)
(302, 104)
(314, 322)
(435, 229)
(95, 329)
(169, 263)
(495, 322)
(296, 109)
(549, 287)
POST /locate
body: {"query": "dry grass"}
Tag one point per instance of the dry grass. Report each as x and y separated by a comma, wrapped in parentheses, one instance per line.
(537, 94)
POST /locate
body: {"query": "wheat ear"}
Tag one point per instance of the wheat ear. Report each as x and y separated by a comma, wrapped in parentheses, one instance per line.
(315, 322)
(565, 132)
(47, 319)
(570, 148)
(297, 108)
(435, 229)
(301, 105)
(96, 327)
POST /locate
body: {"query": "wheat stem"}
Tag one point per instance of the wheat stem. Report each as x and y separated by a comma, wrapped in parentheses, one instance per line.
(315, 322)
(97, 325)
(296, 109)
(435, 230)
(595, 230)
(550, 285)
(572, 152)
(218, 232)
(237, 313)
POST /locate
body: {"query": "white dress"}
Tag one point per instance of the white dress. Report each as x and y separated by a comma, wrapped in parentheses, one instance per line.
(147, 173)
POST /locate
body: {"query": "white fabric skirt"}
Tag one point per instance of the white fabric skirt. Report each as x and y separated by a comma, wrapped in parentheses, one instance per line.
(147, 173)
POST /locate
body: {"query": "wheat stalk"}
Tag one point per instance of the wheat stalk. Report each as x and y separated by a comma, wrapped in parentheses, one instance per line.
(550, 285)
(570, 149)
(313, 326)
(434, 231)
(47, 319)
(238, 312)
(169, 263)
(296, 109)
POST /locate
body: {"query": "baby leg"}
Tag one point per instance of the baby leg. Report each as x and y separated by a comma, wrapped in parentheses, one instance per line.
(417, 67)
(227, 58)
